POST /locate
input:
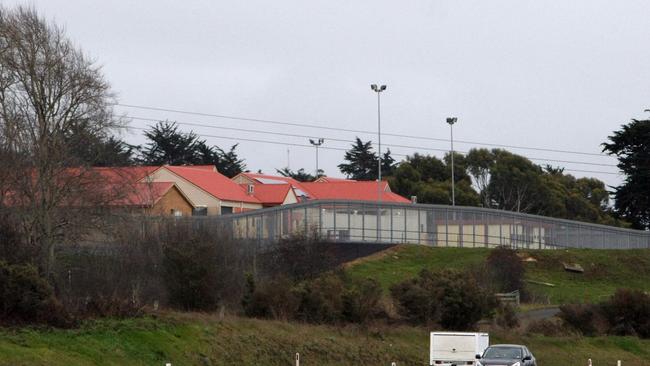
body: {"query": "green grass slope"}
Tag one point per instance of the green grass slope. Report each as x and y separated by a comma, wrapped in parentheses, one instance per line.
(193, 339)
(605, 270)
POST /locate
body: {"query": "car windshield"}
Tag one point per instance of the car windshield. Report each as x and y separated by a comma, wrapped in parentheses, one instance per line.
(510, 353)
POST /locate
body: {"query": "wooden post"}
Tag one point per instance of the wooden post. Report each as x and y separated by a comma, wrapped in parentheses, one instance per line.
(589, 363)
(618, 363)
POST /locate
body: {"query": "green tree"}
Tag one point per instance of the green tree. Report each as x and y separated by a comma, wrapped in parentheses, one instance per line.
(361, 161)
(429, 178)
(95, 149)
(388, 164)
(169, 145)
(479, 163)
(631, 145)
(229, 163)
(300, 175)
(512, 182)
(515, 183)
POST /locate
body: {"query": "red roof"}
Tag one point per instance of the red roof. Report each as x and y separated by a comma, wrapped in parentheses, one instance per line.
(144, 194)
(265, 179)
(270, 194)
(206, 167)
(331, 188)
(130, 174)
(213, 182)
(332, 179)
(352, 190)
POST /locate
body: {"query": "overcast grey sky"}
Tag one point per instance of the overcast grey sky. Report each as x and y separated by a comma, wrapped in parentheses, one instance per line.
(551, 74)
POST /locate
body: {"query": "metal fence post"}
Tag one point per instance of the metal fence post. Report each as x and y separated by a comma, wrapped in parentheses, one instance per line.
(336, 233)
(458, 218)
(297, 359)
(391, 224)
(349, 218)
(362, 211)
(320, 219)
(305, 220)
(419, 227)
(446, 228)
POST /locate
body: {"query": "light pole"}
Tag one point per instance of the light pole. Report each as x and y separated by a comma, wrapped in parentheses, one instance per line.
(451, 121)
(378, 90)
(317, 143)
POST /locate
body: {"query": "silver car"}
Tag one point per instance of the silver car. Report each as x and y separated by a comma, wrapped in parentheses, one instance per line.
(506, 355)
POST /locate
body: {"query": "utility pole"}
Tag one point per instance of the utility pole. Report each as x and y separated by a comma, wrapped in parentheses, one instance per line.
(451, 121)
(317, 143)
(378, 90)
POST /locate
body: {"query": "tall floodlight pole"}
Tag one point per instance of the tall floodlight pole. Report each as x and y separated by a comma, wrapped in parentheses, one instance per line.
(451, 121)
(317, 143)
(378, 89)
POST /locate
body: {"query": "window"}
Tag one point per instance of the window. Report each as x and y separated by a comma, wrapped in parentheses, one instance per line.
(176, 213)
(225, 210)
(200, 211)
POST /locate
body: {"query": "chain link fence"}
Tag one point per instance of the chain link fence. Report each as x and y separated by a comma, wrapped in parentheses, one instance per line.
(432, 225)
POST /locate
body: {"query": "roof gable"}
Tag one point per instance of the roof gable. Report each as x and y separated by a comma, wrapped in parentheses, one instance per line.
(212, 182)
(352, 190)
(271, 193)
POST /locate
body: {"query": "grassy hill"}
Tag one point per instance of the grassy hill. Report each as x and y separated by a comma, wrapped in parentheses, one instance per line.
(195, 339)
(605, 270)
(200, 339)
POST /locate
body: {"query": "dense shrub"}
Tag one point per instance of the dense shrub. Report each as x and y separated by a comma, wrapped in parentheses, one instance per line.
(25, 297)
(113, 307)
(546, 327)
(202, 268)
(452, 299)
(275, 299)
(505, 269)
(190, 275)
(414, 299)
(321, 299)
(506, 316)
(362, 301)
(628, 313)
(13, 249)
(326, 299)
(299, 257)
(581, 317)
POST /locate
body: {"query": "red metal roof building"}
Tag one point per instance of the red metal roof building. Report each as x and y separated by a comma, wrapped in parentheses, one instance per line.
(324, 188)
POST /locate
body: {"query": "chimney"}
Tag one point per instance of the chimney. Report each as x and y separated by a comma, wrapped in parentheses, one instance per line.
(414, 199)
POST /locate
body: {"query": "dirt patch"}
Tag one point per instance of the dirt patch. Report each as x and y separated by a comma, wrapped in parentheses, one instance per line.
(389, 252)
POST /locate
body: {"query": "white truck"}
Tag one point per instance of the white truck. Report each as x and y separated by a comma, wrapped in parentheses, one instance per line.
(456, 349)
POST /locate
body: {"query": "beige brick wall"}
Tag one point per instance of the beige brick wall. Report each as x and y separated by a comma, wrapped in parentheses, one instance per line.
(172, 200)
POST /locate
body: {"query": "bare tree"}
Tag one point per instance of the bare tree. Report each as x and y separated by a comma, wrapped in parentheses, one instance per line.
(48, 89)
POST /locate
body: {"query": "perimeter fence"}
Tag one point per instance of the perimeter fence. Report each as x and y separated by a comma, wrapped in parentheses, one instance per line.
(432, 225)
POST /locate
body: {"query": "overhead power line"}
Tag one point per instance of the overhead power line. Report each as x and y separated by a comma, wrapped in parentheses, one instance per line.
(237, 139)
(348, 141)
(312, 125)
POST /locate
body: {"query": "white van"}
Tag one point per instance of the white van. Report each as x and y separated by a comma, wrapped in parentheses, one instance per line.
(456, 349)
